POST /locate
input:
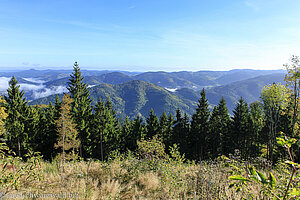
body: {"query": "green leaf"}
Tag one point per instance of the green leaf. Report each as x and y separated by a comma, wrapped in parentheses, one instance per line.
(295, 192)
(239, 178)
(281, 141)
(293, 164)
(261, 177)
(252, 170)
(272, 180)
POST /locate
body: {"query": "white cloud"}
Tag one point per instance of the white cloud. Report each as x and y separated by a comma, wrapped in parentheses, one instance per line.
(34, 80)
(49, 91)
(38, 91)
(171, 89)
(4, 83)
(26, 86)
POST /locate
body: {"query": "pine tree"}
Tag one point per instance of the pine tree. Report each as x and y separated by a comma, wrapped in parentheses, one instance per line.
(181, 130)
(240, 137)
(164, 128)
(81, 109)
(200, 128)
(98, 128)
(139, 128)
(67, 143)
(256, 120)
(45, 132)
(107, 131)
(152, 125)
(17, 110)
(219, 139)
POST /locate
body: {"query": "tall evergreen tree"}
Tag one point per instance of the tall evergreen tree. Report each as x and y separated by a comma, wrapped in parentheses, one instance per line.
(107, 130)
(200, 128)
(240, 137)
(139, 128)
(164, 128)
(219, 139)
(81, 109)
(181, 130)
(45, 131)
(256, 120)
(98, 128)
(152, 125)
(17, 110)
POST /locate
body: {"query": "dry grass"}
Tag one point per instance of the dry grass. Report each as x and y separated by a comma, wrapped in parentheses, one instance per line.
(132, 178)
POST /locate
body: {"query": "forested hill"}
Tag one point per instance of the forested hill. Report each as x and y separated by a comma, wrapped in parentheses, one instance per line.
(138, 97)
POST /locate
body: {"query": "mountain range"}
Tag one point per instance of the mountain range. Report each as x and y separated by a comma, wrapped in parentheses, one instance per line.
(136, 93)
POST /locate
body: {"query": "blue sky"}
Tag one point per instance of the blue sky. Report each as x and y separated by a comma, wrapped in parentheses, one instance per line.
(143, 35)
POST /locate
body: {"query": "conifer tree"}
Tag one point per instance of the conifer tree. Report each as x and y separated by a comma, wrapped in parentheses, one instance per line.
(81, 108)
(240, 137)
(169, 131)
(152, 125)
(128, 137)
(164, 128)
(98, 128)
(68, 142)
(219, 139)
(32, 128)
(107, 131)
(256, 120)
(200, 128)
(139, 128)
(45, 133)
(17, 110)
(181, 131)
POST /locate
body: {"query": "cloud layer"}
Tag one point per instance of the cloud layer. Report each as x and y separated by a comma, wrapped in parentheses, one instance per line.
(38, 91)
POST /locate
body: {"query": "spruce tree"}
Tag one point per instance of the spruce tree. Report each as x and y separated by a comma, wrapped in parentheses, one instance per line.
(181, 131)
(81, 109)
(219, 139)
(17, 110)
(256, 120)
(46, 132)
(240, 132)
(200, 128)
(139, 128)
(107, 130)
(152, 125)
(98, 128)
(164, 127)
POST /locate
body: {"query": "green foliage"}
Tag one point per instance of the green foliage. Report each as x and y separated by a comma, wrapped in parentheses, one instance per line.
(14, 173)
(68, 142)
(81, 109)
(199, 133)
(269, 182)
(152, 124)
(219, 130)
(152, 149)
(17, 110)
(106, 131)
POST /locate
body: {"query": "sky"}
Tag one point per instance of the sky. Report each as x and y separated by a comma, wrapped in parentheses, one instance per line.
(148, 35)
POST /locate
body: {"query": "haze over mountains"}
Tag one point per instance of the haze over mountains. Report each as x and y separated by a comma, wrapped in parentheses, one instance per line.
(135, 93)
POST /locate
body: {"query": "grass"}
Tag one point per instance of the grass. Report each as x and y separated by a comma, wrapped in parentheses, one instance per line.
(132, 178)
(147, 174)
